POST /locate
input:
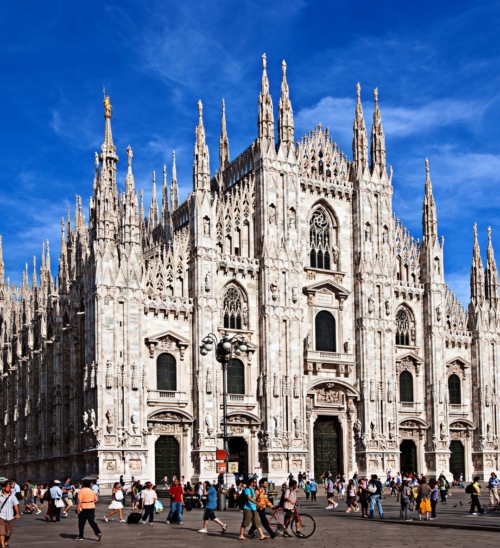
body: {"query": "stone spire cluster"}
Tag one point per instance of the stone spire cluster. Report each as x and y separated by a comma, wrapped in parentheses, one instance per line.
(223, 141)
(429, 213)
(360, 139)
(265, 123)
(201, 166)
(377, 144)
(285, 118)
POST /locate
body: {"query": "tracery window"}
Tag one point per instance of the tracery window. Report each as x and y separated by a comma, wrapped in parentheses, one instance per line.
(326, 340)
(454, 390)
(235, 377)
(319, 240)
(406, 387)
(232, 309)
(402, 327)
(166, 373)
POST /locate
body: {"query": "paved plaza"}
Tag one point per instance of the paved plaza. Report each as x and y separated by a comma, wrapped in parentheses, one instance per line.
(454, 527)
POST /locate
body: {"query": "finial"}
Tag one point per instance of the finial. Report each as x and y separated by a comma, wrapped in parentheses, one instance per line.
(200, 108)
(264, 61)
(96, 160)
(130, 155)
(358, 91)
(107, 104)
(62, 227)
(375, 95)
(475, 230)
(223, 107)
(173, 156)
(164, 172)
(427, 170)
(283, 67)
(489, 234)
(154, 178)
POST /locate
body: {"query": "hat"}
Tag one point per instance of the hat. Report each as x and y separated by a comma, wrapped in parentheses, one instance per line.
(57, 482)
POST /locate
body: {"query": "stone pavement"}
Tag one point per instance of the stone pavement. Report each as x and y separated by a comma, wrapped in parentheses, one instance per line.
(452, 528)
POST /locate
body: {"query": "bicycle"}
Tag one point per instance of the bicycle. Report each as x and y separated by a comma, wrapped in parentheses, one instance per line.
(305, 521)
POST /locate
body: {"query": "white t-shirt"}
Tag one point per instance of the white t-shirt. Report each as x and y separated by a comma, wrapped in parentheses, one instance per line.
(149, 496)
(7, 512)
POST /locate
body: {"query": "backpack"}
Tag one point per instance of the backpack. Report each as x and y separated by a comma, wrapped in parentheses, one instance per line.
(468, 489)
(282, 499)
(46, 496)
(372, 489)
(242, 500)
(134, 517)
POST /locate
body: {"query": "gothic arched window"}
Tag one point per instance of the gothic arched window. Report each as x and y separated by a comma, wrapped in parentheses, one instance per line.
(235, 377)
(454, 390)
(325, 332)
(406, 387)
(166, 373)
(320, 240)
(402, 328)
(232, 309)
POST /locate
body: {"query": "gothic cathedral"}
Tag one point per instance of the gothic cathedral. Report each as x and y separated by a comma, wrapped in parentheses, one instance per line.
(360, 358)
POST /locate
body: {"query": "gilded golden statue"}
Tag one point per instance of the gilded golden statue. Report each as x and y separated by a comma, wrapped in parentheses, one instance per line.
(107, 107)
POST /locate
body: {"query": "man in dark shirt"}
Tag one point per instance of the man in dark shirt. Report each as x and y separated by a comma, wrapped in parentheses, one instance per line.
(375, 492)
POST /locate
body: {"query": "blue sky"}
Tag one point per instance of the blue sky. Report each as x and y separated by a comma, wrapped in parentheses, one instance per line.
(435, 64)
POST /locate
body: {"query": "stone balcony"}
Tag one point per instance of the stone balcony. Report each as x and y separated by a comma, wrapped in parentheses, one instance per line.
(342, 364)
(162, 397)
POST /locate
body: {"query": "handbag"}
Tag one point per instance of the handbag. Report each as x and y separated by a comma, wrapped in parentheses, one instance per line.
(119, 495)
(58, 503)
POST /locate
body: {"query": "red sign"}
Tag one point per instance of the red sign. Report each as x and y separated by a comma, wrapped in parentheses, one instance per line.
(221, 454)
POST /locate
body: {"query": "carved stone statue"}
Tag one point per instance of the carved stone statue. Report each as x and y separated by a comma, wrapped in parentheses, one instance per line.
(347, 347)
(371, 304)
(373, 430)
(392, 429)
(134, 419)
(208, 281)
(206, 227)
(442, 431)
(110, 417)
(297, 424)
(210, 423)
(387, 305)
(276, 420)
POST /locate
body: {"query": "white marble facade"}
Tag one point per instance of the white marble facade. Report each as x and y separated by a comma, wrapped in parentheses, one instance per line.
(296, 247)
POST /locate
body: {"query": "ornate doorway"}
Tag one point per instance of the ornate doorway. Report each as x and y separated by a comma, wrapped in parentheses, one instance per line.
(408, 456)
(166, 458)
(238, 452)
(327, 446)
(457, 459)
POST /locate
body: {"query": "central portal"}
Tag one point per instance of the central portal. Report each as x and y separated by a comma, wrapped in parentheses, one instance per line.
(166, 458)
(327, 446)
(408, 457)
(238, 452)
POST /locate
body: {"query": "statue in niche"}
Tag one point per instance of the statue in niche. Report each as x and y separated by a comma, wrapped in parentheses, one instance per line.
(373, 430)
(438, 314)
(110, 417)
(335, 253)
(92, 420)
(387, 307)
(276, 420)
(134, 419)
(272, 214)
(206, 227)
(347, 346)
(392, 429)
(371, 304)
(442, 431)
(210, 424)
(208, 281)
(297, 424)
(368, 232)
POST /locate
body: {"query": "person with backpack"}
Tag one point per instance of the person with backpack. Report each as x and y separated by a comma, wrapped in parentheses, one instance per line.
(116, 502)
(474, 489)
(405, 495)
(375, 493)
(289, 503)
(262, 502)
(250, 514)
(210, 505)
(493, 487)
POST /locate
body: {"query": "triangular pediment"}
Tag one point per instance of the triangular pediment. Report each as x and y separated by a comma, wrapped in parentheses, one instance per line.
(328, 285)
(168, 336)
(459, 361)
(409, 356)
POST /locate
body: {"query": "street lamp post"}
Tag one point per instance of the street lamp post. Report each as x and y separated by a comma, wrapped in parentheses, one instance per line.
(225, 349)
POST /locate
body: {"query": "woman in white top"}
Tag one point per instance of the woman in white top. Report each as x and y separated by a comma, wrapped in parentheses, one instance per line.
(116, 502)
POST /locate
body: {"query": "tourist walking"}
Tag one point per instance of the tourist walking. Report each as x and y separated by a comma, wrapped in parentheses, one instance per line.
(67, 489)
(56, 496)
(493, 488)
(404, 495)
(262, 502)
(375, 493)
(9, 511)
(136, 495)
(30, 498)
(176, 502)
(434, 485)
(250, 514)
(148, 498)
(314, 490)
(424, 495)
(475, 494)
(116, 502)
(307, 489)
(329, 487)
(363, 497)
(210, 506)
(289, 506)
(351, 498)
(165, 481)
(86, 510)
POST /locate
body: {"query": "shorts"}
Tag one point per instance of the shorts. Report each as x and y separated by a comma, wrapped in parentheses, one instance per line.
(249, 517)
(67, 501)
(208, 514)
(30, 500)
(6, 527)
(350, 500)
(329, 495)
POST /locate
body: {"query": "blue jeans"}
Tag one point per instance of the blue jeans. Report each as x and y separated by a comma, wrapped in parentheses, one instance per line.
(175, 507)
(376, 499)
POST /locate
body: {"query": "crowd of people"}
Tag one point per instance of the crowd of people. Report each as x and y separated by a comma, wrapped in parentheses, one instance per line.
(251, 495)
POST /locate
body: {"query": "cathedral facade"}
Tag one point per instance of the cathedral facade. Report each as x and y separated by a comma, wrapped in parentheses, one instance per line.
(360, 358)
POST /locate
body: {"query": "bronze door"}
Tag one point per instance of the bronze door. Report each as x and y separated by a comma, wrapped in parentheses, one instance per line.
(327, 446)
(166, 458)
